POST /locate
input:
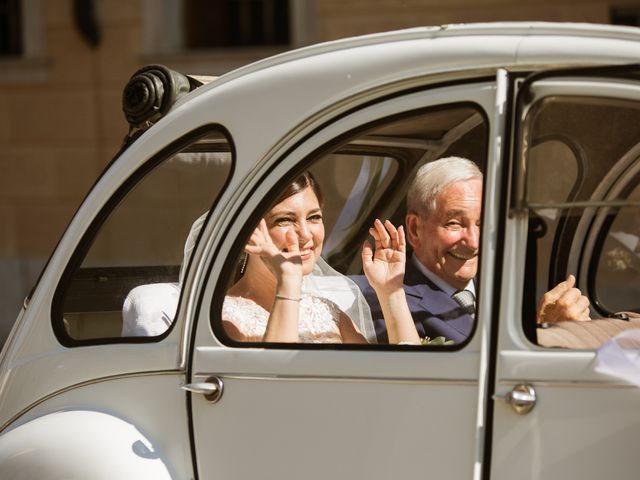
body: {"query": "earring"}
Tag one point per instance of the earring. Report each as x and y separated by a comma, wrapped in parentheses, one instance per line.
(243, 266)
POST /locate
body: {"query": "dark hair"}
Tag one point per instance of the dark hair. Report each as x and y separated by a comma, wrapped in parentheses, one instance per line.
(304, 181)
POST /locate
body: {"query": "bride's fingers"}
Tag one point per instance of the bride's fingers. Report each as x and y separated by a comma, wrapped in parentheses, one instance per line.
(253, 249)
(367, 253)
(265, 231)
(258, 246)
(260, 233)
(256, 239)
(376, 238)
(260, 242)
(292, 242)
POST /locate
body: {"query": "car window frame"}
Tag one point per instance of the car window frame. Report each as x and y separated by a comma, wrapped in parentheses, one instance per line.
(95, 226)
(215, 321)
(526, 102)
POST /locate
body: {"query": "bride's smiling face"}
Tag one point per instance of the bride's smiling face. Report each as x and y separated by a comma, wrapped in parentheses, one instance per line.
(301, 213)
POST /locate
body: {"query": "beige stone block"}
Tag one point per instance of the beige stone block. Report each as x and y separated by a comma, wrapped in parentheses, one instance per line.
(52, 117)
(119, 11)
(4, 120)
(57, 13)
(119, 55)
(8, 236)
(356, 10)
(109, 64)
(380, 8)
(74, 60)
(39, 227)
(76, 170)
(26, 174)
(77, 62)
(108, 150)
(114, 126)
(591, 12)
(376, 20)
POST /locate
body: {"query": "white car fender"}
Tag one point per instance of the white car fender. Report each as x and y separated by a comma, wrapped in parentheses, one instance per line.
(79, 444)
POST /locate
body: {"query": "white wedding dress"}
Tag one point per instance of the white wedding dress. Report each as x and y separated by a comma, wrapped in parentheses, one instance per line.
(317, 321)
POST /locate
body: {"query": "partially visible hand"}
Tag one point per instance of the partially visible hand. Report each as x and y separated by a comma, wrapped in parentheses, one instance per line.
(563, 302)
(384, 266)
(282, 263)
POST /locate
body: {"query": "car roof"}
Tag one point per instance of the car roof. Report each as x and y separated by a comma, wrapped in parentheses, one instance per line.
(506, 33)
(447, 50)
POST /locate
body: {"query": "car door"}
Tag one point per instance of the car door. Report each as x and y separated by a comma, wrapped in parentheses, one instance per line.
(575, 187)
(307, 411)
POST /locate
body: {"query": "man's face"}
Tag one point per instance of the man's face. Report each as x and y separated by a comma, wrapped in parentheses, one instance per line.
(447, 240)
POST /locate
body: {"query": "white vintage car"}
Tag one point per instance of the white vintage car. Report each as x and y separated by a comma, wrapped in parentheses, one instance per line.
(119, 367)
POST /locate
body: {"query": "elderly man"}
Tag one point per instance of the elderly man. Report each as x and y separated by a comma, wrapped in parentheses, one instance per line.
(443, 226)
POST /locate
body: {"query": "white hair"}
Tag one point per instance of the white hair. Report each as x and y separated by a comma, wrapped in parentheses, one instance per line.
(433, 177)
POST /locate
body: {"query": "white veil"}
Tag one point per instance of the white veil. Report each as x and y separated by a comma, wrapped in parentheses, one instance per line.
(323, 281)
(189, 245)
(326, 282)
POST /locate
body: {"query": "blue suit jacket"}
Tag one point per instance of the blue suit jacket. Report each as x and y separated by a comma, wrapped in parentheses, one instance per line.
(434, 312)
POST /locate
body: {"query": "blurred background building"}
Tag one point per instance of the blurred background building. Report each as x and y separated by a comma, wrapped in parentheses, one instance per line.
(63, 65)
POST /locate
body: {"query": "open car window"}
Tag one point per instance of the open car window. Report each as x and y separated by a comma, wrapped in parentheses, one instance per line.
(614, 242)
(125, 278)
(580, 159)
(362, 176)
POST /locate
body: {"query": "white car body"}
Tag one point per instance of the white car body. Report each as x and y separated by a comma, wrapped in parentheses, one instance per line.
(117, 410)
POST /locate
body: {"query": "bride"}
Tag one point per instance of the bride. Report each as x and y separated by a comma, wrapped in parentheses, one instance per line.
(270, 302)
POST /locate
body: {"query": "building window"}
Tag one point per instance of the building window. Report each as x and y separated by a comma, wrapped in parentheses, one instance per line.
(10, 28)
(22, 48)
(212, 37)
(235, 23)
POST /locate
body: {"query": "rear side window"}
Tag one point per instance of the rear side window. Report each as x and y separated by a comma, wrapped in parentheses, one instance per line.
(582, 159)
(125, 279)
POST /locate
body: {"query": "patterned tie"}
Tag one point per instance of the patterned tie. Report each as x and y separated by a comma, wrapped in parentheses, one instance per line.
(467, 300)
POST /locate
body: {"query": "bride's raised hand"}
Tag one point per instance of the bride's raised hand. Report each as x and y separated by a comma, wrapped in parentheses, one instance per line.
(384, 264)
(283, 263)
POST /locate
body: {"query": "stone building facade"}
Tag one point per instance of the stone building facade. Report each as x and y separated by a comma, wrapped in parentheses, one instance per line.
(60, 89)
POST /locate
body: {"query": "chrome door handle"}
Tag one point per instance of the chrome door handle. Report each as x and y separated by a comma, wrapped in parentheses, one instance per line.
(522, 398)
(212, 388)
